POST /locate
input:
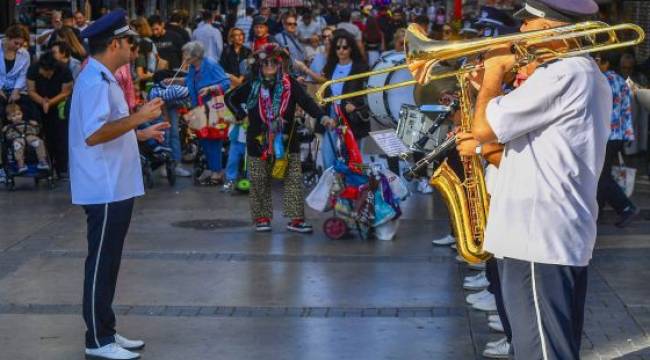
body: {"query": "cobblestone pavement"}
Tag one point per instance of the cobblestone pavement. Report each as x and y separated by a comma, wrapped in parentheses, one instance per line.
(198, 283)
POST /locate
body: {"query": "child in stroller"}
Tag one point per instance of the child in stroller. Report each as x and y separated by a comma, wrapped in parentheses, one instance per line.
(153, 154)
(21, 142)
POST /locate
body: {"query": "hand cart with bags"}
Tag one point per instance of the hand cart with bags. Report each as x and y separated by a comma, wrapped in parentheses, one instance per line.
(362, 197)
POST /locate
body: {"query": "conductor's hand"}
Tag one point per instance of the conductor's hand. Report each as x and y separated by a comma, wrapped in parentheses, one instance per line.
(466, 144)
(156, 132)
(150, 110)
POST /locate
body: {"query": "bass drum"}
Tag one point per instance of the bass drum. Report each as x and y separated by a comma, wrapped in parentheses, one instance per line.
(385, 106)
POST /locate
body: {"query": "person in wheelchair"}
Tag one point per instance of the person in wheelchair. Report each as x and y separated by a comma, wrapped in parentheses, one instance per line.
(19, 134)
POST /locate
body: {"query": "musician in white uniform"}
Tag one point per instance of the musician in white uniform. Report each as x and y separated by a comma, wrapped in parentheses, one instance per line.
(542, 217)
(106, 176)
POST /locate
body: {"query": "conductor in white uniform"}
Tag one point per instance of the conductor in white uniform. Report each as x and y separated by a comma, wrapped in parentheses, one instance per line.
(106, 175)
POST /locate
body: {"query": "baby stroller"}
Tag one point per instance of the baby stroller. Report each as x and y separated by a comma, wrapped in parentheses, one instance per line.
(10, 166)
(154, 155)
(306, 138)
(154, 158)
(363, 198)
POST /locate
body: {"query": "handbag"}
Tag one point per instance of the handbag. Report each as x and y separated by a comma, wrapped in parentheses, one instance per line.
(280, 165)
(624, 176)
(205, 118)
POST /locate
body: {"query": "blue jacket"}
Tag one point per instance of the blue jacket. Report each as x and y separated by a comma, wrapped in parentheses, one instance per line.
(17, 77)
(211, 73)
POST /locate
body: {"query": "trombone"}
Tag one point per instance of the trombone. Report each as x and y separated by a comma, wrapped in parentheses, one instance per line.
(423, 53)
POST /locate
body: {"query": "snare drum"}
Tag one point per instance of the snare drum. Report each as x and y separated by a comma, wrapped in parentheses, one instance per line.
(385, 105)
(414, 125)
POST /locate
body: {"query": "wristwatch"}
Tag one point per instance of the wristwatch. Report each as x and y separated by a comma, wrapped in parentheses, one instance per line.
(479, 149)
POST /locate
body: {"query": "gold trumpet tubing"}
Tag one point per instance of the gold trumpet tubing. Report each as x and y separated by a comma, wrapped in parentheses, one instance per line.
(321, 90)
(427, 52)
(613, 43)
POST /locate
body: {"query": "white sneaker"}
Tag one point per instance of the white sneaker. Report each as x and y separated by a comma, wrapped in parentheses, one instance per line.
(496, 326)
(487, 303)
(128, 344)
(475, 297)
(453, 246)
(111, 351)
(444, 241)
(493, 318)
(472, 278)
(493, 344)
(500, 351)
(424, 187)
(479, 283)
(163, 171)
(182, 172)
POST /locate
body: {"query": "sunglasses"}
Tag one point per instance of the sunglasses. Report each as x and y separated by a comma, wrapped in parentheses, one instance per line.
(269, 62)
(342, 47)
(291, 24)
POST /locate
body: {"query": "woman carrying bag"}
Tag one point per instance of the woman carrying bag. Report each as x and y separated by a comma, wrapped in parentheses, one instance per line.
(270, 97)
(206, 79)
(344, 59)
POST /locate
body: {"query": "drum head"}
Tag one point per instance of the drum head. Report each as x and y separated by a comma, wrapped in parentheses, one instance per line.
(385, 105)
(396, 97)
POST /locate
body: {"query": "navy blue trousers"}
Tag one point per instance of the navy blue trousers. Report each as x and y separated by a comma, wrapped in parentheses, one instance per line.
(107, 228)
(545, 305)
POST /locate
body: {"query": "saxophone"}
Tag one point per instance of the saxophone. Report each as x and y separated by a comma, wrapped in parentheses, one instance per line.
(467, 201)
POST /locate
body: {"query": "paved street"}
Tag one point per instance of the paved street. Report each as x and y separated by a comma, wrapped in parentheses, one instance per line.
(198, 283)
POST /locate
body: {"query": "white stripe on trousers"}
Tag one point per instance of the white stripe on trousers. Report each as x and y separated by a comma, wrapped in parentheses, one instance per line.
(99, 254)
(537, 312)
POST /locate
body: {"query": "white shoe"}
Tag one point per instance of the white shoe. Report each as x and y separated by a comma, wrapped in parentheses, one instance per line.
(444, 241)
(163, 171)
(111, 351)
(128, 344)
(479, 283)
(476, 297)
(182, 172)
(493, 344)
(472, 278)
(424, 187)
(453, 246)
(487, 303)
(493, 318)
(496, 326)
(501, 351)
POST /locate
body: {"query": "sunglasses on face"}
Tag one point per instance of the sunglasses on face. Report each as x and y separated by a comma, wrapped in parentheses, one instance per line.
(291, 24)
(342, 47)
(269, 62)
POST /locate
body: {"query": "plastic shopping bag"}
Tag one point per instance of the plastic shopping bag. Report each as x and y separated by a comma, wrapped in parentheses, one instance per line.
(397, 185)
(318, 198)
(624, 176)
(387, 231)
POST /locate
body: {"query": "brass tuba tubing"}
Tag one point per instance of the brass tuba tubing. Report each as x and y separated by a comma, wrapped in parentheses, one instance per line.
(321, 90)
(420, 48)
